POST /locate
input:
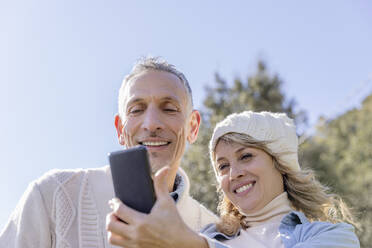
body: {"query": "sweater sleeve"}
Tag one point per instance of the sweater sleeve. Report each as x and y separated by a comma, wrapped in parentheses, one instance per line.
(29, 224)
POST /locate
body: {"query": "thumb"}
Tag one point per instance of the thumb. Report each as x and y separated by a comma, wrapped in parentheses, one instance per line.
(161, 182)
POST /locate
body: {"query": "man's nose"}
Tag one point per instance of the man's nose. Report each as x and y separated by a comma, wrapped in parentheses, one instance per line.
(152, 120)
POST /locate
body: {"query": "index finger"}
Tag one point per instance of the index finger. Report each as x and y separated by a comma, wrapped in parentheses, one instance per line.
(125, 213)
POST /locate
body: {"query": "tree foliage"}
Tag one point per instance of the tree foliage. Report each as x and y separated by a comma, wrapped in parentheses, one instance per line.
(341, 153)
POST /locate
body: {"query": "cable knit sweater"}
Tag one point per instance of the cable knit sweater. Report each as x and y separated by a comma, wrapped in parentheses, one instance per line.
(67, 208)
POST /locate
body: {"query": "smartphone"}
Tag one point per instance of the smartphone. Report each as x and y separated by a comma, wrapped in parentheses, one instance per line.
(131, 176)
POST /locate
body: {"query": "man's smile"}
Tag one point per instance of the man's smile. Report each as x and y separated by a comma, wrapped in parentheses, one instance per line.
(155, 144)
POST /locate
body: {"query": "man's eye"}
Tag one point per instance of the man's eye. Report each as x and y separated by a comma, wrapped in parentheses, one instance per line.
(135, 110)
(169, 107)
(246, 156)
(170, 110)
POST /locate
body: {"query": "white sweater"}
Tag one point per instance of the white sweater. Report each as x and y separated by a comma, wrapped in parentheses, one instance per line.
(67, 208)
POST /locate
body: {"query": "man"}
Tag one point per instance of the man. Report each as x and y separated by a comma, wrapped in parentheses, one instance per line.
(67, 208)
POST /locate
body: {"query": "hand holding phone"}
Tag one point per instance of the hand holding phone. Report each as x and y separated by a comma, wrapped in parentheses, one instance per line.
(131, 175)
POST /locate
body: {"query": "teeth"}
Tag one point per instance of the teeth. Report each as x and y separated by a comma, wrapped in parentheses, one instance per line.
(154, 143)
(243, 188)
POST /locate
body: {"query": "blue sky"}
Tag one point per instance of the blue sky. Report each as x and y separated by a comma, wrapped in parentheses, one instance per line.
(62, 62)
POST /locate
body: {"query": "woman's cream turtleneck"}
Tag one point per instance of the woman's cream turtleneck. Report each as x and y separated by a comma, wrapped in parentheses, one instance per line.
(263, 225)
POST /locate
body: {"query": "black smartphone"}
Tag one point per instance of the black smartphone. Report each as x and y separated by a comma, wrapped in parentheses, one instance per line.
(131, 176)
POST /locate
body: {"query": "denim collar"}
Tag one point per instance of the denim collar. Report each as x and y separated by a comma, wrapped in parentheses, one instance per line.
(289, 221)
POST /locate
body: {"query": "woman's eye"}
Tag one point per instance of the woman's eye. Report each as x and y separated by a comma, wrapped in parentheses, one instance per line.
(221, 167)
(246, 156)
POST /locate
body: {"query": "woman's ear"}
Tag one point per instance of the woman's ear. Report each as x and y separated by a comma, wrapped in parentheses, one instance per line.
(119, 129)
(194, 124)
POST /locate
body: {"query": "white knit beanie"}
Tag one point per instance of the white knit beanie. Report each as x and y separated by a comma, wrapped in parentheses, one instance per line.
(275, 128)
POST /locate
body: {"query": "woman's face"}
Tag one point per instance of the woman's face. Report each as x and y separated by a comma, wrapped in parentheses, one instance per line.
(247, 176)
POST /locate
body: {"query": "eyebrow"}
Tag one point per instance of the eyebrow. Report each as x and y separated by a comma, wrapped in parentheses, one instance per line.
(240, 149)
(135, 100)
(219, 159)
(236, 152)
(170, 99)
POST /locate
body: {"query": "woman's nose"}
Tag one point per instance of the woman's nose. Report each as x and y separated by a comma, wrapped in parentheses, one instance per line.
(236, 171)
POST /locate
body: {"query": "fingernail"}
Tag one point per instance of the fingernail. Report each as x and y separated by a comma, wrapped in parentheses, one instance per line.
(115, 204)
(111, 204)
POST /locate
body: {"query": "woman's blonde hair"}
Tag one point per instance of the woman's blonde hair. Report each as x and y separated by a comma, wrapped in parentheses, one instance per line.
(305, 192)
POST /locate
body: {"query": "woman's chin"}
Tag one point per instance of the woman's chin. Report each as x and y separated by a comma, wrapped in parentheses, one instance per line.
(248, 209)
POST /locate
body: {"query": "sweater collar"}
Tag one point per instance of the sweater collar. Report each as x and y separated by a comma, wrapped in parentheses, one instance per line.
(272, 212)
(181, 186)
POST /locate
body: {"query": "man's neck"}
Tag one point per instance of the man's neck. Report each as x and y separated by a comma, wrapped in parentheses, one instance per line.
(171, 177)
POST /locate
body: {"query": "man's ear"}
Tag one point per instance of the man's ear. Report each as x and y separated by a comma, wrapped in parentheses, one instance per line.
(119, 129)
(194, 124)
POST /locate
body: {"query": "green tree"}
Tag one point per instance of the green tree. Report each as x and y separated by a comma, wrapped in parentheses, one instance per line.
(260, 92)
(341, 153)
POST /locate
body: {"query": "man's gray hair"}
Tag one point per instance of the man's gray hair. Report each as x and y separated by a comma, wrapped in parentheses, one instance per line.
(156, 64)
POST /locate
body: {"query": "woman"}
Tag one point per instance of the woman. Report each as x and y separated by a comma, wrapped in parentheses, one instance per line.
(267, 200)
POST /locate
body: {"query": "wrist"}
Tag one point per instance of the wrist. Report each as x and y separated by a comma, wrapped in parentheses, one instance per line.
(193, 239)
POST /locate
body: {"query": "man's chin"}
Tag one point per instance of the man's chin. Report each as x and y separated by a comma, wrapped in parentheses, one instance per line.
(157, 165)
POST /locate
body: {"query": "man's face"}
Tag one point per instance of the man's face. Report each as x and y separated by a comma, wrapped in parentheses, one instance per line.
(157, 115)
